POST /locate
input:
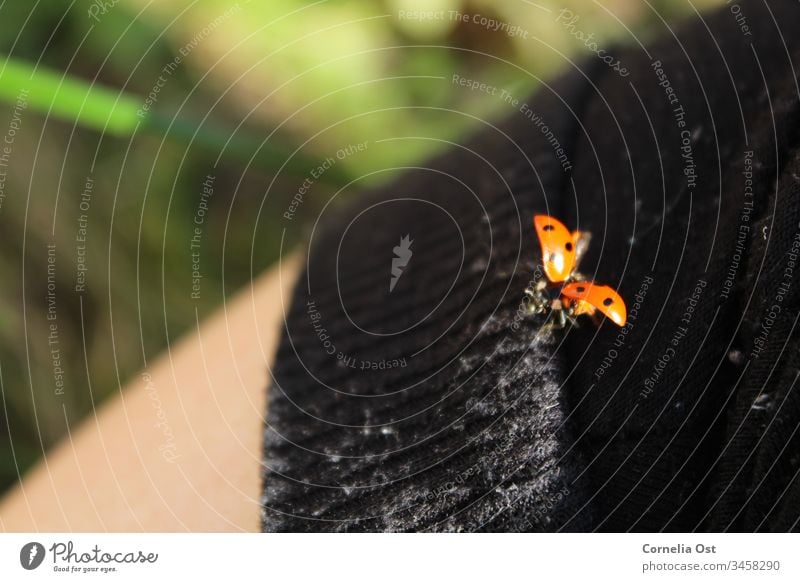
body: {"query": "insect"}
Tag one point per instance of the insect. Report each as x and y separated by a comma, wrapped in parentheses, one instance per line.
(565, 292)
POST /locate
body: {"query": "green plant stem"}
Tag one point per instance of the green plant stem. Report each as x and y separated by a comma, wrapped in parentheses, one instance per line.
(114, 112)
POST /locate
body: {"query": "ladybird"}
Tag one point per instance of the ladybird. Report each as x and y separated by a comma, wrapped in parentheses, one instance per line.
(562, 252)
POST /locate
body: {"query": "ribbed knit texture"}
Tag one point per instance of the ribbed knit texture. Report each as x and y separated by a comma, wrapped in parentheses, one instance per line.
(684, 420)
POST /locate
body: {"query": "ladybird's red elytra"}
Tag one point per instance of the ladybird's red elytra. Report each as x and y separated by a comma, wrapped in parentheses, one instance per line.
(601, 297)
(562, 251)
(558, 247)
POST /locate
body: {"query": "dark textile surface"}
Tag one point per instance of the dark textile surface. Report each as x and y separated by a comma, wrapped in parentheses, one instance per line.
(435, 407)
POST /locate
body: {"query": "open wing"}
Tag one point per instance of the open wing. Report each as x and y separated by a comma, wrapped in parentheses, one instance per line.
(600, 297)
(559, 247)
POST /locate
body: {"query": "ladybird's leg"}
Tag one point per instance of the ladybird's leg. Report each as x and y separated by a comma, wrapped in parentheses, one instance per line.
(533, 301)
(556, 309)
(556, 318)
(538, 301)
(570, 314)
(573, 320)
(562, 318)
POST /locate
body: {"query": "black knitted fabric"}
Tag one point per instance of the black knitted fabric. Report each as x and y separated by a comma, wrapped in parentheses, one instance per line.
(687, 173)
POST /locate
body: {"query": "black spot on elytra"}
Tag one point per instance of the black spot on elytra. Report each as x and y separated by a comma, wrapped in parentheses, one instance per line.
(580, 289)
(568, 246)
(548, 227)
(608, 301)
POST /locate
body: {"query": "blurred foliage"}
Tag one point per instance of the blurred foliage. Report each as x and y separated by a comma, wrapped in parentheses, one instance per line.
(306, 77)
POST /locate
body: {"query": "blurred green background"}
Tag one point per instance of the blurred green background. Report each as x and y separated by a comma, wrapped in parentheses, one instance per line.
(254, 94)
